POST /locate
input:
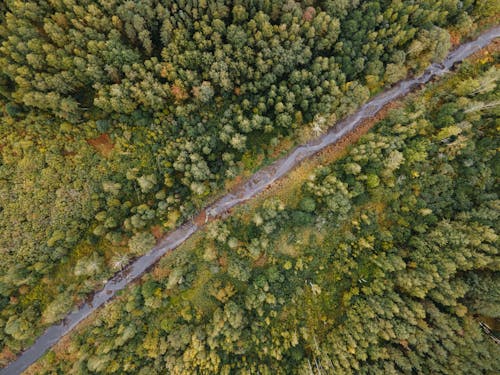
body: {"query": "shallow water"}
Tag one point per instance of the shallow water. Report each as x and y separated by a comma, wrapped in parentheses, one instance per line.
(257, 183)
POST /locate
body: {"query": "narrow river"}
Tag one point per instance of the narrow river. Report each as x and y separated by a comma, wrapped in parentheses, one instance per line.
(258, 182)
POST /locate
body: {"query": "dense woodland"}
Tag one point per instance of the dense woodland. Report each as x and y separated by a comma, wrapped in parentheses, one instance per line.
(121, 119)
(382, 262)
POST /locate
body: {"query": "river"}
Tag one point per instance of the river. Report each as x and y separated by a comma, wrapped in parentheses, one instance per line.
(257, 183)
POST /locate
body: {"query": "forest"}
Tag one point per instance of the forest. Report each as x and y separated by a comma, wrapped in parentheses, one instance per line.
(122, 119)
(381, 262)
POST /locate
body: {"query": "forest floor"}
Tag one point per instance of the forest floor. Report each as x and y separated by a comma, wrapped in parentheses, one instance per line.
(102, 144)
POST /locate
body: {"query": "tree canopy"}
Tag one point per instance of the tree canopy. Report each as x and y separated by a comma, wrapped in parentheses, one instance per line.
(384, 261)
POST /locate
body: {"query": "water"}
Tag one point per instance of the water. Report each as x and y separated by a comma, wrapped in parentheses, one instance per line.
(257, 183)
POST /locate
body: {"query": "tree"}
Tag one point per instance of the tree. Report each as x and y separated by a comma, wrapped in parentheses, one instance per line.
(141, 242)
(57, 308)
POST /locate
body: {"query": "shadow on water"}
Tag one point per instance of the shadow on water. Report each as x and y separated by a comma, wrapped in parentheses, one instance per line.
(257, 183)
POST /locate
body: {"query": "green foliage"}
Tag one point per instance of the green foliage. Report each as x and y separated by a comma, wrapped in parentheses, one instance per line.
(57, 308)
(307, 204)
(392, 274)
(207, 78)
(141, 242)
(120, 118)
